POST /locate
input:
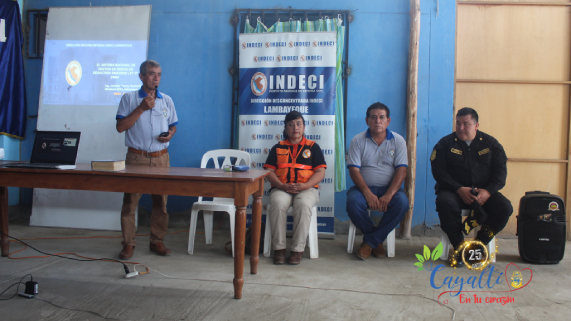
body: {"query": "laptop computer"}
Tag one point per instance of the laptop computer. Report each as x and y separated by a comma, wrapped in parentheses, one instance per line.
(52, 149)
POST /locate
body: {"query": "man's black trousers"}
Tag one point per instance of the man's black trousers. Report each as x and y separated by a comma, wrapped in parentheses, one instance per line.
(449, 206)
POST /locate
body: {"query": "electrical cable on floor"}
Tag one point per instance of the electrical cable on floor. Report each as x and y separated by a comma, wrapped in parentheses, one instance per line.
(6, 281)
(86, 237)
(310, 288)
(67, 253)
(111, 237)
(59, 306)
(82, 237)
(17, 289)
(70, 258)
(192, 279)
(72, 309)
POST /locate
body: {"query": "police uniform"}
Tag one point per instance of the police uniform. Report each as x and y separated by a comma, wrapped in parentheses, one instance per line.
(293, 163)
(481, 164)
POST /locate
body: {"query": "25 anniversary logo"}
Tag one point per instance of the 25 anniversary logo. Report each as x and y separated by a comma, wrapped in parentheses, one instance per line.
(457, 286)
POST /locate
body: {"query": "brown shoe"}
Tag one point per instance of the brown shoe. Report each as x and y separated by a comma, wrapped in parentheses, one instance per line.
(295, 258)
(127, 252)
(379, 251)
(279, 257)
(159, 248)
(364, 251)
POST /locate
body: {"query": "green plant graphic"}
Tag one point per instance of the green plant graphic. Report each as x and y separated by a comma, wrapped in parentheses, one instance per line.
(427, 256)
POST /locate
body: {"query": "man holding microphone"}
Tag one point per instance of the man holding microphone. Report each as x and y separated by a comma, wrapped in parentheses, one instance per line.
(148, 118)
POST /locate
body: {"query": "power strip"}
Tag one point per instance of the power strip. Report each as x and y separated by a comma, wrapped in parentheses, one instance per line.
(131, 274)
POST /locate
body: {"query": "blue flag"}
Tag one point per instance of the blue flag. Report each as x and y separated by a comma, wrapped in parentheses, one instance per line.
(12, 90)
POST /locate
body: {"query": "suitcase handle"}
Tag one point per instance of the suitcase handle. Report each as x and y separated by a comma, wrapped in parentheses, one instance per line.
(536, 192)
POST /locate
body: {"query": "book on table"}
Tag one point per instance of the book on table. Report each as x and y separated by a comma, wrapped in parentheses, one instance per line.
(108, 165)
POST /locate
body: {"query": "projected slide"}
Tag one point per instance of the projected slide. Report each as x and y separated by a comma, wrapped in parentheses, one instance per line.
(91, 72)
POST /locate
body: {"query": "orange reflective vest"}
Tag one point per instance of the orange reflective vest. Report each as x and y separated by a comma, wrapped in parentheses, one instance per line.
(294, 161)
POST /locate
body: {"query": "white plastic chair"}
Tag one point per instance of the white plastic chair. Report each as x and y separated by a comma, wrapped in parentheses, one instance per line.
(312, 236)
(446, 242)
(218, 204)
(390, 239)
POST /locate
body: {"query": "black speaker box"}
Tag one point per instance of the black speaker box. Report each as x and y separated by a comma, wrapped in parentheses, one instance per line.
(541, 228)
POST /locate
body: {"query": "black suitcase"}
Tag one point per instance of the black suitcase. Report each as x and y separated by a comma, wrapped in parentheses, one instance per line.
(541, 228)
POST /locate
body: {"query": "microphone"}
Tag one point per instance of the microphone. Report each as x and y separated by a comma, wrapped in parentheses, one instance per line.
(156, 91)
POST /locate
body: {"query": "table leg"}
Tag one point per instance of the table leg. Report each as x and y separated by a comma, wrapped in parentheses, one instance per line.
(256, 228)
(239, 246)
(4, 242)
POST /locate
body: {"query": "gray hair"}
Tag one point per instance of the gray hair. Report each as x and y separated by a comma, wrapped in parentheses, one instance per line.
(148, 64)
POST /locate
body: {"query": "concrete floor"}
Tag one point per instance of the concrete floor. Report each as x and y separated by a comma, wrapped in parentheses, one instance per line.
(337, 286)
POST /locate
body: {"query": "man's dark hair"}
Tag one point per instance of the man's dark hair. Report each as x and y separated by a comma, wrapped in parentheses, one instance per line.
(468, 111)
(146, 65)
(292, 115)
(378, 105)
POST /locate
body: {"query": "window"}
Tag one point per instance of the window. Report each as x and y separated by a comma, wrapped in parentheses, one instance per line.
(36, 33)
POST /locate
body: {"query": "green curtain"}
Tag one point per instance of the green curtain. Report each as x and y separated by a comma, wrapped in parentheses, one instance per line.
(317, 26)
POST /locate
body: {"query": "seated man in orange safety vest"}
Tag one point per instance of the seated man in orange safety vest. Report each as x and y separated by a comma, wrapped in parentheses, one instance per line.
(297, 166)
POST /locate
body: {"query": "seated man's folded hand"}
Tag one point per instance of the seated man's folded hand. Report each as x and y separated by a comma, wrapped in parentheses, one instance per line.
(293, 188)
(372, 201)
(466, 195)
(483, 195)
(384, 202)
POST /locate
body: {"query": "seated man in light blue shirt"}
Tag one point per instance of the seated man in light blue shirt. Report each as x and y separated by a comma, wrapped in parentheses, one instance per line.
(149, 120)
(377, 164)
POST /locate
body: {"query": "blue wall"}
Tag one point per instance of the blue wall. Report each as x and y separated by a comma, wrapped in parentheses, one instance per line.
(11, 152)
(193, 42)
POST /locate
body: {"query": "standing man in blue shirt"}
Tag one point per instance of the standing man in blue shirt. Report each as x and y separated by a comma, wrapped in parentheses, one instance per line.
(149, 120)
(377, 164)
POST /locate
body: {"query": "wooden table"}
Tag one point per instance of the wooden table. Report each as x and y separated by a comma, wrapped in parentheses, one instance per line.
(153, 180)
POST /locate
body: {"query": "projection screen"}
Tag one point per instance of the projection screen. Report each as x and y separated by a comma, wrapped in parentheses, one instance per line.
(91, 57)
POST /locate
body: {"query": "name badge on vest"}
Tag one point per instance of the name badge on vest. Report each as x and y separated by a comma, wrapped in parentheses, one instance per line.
(456, 151)
(484, 151)
(306, 153)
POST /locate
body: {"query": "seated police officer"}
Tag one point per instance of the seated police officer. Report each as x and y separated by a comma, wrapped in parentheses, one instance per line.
(469, 167)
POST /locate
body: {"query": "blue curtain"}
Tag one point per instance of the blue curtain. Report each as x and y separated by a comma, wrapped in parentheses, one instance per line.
(12, 89)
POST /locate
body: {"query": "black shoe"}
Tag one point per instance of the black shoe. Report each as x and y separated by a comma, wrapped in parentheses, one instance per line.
(456, 260)
(485, 234)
